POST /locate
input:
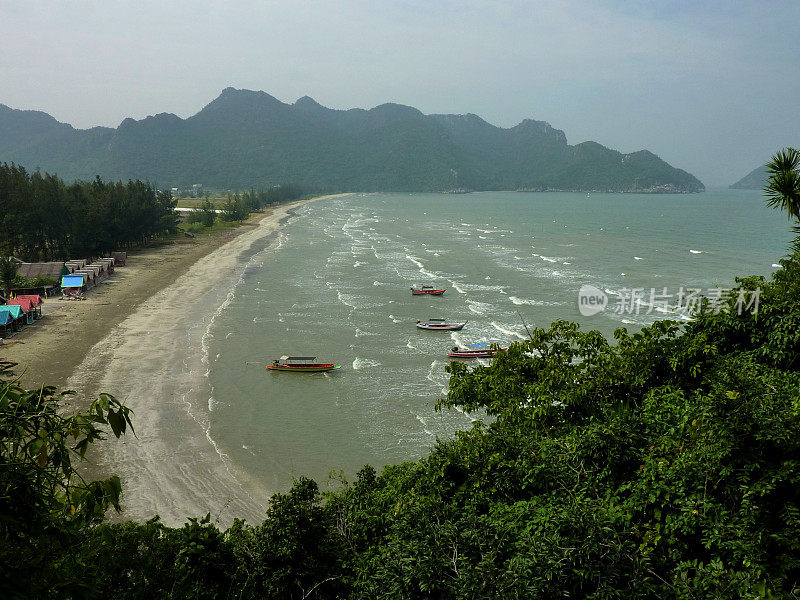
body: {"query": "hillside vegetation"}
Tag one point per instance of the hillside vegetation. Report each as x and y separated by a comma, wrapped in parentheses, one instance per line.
(754, 180)
(249, 139)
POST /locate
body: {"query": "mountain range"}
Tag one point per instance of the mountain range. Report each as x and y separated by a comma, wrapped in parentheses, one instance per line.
(246, 139)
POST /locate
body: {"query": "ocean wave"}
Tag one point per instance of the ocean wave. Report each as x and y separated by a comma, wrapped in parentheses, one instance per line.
(364, 363)
(505, 330)
(479, 308)
(529, 302)
(361, 333)
(463, 288)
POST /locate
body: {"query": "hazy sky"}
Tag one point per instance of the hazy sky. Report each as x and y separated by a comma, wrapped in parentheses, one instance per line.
(712, 87)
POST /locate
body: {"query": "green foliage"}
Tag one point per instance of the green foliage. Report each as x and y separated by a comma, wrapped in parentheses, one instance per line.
(8, 274)
(204, 216)
(782, 187)
(45, 505)
(783, 182)
(44, 219)
(236, 208)
(239, 206)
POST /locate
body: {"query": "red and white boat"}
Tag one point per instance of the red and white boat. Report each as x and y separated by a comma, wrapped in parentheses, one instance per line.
(474, 351)
(441, 325)
(427, 290)
(301, 364)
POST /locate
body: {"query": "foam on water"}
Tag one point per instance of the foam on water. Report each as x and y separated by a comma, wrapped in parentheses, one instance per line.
(479, 308)
(505, 330)
(364, 363)
(530, 302)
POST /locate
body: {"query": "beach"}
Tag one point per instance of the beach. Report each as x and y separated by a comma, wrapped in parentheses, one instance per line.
(140, 336)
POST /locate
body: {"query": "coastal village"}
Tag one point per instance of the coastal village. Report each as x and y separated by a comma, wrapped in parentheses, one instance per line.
(21, 305)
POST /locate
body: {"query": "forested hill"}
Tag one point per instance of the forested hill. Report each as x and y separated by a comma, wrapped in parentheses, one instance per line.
(754, 180)
(246, 138)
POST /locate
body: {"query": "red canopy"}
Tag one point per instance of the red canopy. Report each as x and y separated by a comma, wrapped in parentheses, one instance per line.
(35, 299)
(27, 302)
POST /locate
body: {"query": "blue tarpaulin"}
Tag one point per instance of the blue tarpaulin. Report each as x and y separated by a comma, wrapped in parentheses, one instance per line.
(72, 281)
(14, 310)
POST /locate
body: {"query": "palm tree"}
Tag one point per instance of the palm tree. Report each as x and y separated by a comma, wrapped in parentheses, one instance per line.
(783, 182)
(8, 271)
(782, 188)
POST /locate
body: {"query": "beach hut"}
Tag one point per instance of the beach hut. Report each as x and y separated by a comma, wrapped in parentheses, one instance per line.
(43, 270)
(100, 270)
(46, 274)
(28, 310)
(73, 285)
(17, 317)
(109, 262)
(30, 303)
(6, 322)
(88, 276)
(120, 258)
(76, 264)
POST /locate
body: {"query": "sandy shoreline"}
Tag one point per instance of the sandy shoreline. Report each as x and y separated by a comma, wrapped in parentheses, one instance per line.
(142, 337)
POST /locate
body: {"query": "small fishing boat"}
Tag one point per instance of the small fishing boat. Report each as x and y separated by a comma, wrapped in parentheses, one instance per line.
(474, 351)
(441, 325)
(427, 290)
(301, 364)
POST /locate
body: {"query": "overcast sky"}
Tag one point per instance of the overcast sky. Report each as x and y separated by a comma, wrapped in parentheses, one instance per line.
(712, 87)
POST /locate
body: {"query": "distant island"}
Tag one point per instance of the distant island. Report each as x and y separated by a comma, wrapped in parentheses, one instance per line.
(247, 139)
(754, 180)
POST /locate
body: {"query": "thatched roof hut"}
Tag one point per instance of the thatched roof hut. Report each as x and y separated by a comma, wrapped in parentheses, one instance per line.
(48, 270)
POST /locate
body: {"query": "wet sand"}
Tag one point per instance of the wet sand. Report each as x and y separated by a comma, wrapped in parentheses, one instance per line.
(140, 336)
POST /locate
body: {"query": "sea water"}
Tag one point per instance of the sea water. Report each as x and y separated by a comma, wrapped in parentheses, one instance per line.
(334, 283)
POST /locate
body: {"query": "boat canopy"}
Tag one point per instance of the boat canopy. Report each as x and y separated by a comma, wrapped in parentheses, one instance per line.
(298, 357)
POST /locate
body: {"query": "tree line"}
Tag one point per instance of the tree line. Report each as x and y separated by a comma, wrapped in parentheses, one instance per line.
(239, 205)
(42, 218)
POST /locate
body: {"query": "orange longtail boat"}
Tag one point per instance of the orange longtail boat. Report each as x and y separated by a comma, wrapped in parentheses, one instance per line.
(301, 364)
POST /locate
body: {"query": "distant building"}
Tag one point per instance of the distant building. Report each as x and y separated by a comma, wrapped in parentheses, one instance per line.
(197, 190)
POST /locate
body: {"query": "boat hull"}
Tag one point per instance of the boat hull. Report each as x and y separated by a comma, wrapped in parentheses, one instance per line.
(427, 292)
(442, 327)
(312, 368)
(474, 353)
